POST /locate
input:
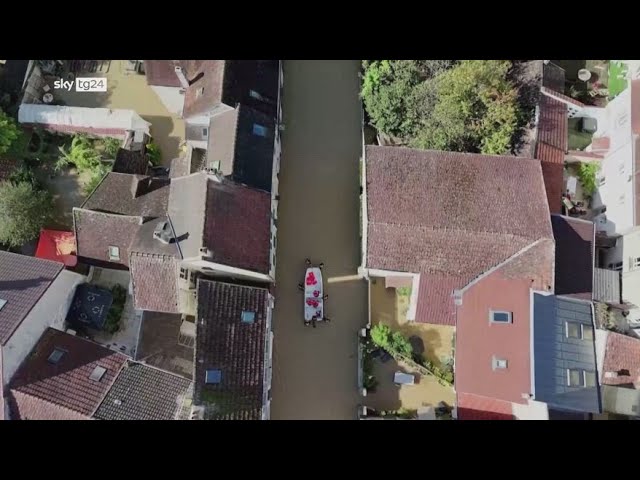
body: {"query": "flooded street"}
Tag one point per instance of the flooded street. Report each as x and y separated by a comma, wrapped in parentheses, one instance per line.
(315, 370)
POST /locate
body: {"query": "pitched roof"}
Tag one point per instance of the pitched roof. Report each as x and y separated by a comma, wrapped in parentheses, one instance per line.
(154, 280)
(553, 123)
(128, 161)
(162, 72)
(144, 393)
(477, 407)
(553, 174)
(96, 231)
(231, 220)
(242, 141)
(449, 216)
(26, 407)
(555, 353)
(57, 245)
(67, 383)
(574, 256)
(23, 281)
(127, 194)
(205, 89)
(235, 349)
(622, 357)
(180, 167)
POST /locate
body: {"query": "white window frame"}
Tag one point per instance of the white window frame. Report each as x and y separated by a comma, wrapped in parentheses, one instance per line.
(493, 312)
(635, 263)
(617, 266)
(583, 377)
(114, 256)
(581, 330)
(499, 363)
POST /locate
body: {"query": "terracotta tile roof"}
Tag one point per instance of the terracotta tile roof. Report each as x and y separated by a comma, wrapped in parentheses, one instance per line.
(95, 232)
(553, 123)
(574, 256)
(622, 356)
(127, 194)
(635, 106)
(154, 280)
(236, 349)
(205, 91)
(67, 383)
(23, 281)
(478, 341)
(144, 393)
(26, 407)
(128, 161)
(450, 217)
(562, 96)
(477, 407)
(162, 72)
(553, 174)
(237, 226)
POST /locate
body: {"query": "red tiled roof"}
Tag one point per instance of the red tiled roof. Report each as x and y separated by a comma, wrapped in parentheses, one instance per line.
(162, 72)
(26, 407)
(154, 280)
(205, 92)
(237, 226)
(553, 175)
(477, 407)
(622, 353)
(553, 123)
(549, 92)
(574, 256)
(450, 217)
(67, 383)
(635, 106)
(478, 341)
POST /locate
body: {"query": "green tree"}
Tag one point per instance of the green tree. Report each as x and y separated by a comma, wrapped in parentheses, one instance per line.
(111, 146)
(381, 335)
(23, 212)
(82, 154)
(9, 132)
(97, 175)
(401, 345)
(476, 109)
(153, 151)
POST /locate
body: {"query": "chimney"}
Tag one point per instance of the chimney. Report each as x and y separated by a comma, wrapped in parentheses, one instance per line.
(181, 76)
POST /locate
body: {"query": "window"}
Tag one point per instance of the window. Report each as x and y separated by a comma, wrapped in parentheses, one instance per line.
(2, 303)
(213, 377)
(56, 355)
(259, 130)
(500, 317)
(183, 273)
(98, 373)
(205, 132)
(635, 262)
(577, 377)
(114, 253)
(199, 92)
(499, 363)
(617, 266)
(602, 180)
(254, 94)
(248, 317)
(578, 330)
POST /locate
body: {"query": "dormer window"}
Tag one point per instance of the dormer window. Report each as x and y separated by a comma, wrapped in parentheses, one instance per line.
(114, 253)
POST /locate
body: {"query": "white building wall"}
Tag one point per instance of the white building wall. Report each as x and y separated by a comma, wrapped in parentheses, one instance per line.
(50, 311)
(171, 97)
(533, 410)
(616, 190)
(626, 251)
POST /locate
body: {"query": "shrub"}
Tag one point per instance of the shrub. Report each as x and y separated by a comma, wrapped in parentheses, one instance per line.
(9, 132)
(381, 335)
(401, 345)
(96, 177)
(587, 175)
(154, 154)
(82, 154)
(24, 174)
(24, 210)
(111, 146)
(112, 324)
(403, 291)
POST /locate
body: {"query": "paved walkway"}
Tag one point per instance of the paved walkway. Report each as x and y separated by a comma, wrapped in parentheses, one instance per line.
(315, 370)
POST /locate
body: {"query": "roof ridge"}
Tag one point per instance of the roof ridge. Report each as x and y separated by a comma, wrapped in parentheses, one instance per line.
(441, 152)
(146, 365)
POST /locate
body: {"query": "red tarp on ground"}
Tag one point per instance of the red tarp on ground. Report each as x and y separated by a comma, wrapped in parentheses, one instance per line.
(57, 245)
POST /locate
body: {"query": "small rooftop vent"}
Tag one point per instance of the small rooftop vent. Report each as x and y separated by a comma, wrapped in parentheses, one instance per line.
(162, 232)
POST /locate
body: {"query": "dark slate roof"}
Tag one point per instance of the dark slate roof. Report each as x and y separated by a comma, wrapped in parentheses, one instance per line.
(162, 72)
(127, 194)
(233, 221)
(67, 382)
(96, 231)
(12, 75)
(607, 286)
(574, 256)
(23, 280)
(450, 217)
(553, 77)
(554, 353)
(155, 282)
(244, 156)
(128, 161)
(234, 348)
(144, 393)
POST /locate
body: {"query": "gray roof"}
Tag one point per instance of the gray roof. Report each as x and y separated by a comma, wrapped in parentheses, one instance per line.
(554, 354)
(23, 280)
(187, 206)
(144, 393)
(606, 286)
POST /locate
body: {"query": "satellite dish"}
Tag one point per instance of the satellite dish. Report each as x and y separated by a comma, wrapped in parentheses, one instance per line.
(584, 74)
